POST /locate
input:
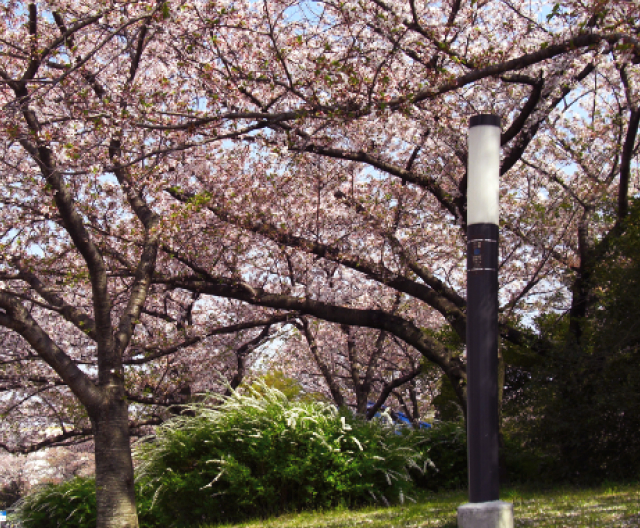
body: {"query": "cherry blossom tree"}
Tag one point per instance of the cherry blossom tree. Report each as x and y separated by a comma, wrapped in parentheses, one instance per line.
(178, 179)
(355, 367)
(371, 102)
(82, 225)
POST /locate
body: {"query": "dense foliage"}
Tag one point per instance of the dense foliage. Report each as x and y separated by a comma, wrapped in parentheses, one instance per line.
(578, 411)
(71, 504)
(260, 454)
(443, 453)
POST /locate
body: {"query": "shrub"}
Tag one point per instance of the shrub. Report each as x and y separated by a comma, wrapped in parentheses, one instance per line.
(71, 504)
(577, 416)
(259, 454)
(523, 465)
(10, 493)
(443, 455)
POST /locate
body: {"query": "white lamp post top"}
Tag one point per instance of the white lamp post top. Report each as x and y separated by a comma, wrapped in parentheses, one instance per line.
(483, 170)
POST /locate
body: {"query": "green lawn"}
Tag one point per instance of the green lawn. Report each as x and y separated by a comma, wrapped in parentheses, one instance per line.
(608, 506)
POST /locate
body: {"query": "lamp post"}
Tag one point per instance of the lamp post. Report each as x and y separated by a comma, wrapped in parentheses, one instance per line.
(484, 509)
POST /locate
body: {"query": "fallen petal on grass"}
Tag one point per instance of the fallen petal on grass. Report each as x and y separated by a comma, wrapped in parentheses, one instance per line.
(602, 507)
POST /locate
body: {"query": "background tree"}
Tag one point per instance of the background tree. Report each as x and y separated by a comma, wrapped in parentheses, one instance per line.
(356, 368)
(581, 404)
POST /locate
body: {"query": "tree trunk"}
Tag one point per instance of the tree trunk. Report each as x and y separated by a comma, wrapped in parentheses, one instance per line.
(362, 399)
(582, 288)
(116, 501)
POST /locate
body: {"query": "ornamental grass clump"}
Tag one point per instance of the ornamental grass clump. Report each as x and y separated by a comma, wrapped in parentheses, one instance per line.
(70, 504)
(259, 454)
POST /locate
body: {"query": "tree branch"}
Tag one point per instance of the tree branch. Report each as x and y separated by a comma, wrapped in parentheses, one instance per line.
(16, 317)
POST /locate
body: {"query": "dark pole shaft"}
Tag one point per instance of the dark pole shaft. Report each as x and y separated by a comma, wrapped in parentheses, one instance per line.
(482, 362)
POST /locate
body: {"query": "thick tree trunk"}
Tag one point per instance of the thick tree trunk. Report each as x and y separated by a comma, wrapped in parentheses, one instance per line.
(116, 502)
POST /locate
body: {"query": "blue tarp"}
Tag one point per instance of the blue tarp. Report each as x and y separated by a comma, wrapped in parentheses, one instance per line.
(399, 418)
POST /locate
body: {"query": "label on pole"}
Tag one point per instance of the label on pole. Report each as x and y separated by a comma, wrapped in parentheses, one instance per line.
(481, 254)
(3, 516)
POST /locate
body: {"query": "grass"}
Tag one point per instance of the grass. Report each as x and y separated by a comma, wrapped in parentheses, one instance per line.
(607, 506)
